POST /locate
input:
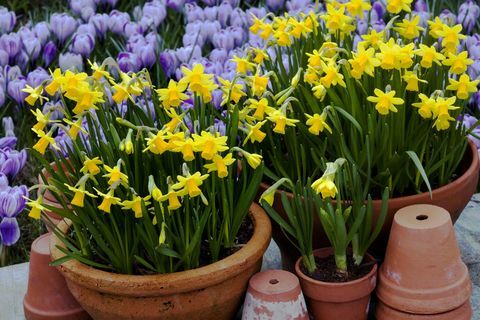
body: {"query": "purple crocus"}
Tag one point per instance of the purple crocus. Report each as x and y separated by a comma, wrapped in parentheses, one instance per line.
(194, 12)
(8, 142)
(218, 55)
(238, 18)
(14, 89)
(42, 32)
(448, 17)
(128, 61)
(11, 44)
(156, 11)
(473, 46)
(210, 13)
(224, 11)
(132, 28)
(169, 62)
(70, 61)
(78, 7)
(100, 23)
(82, 44)
(474, 70)
(12, 203)
(274, 5)
(3, 58)
(49, 53)
(8, 126)
(12, 162)
(12, 73)
(32, 47)
(378, 11)
(117, 21)
(7, 20)
(224, 39)
(176, 5)
(2, 97)
(37, 77)
(148, 56)
(468, 14)
(63, 26)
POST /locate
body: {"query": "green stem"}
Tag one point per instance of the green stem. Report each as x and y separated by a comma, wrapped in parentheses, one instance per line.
(309, 262)
(341, 263)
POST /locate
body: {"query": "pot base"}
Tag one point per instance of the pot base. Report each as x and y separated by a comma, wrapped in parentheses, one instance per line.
(384, 312)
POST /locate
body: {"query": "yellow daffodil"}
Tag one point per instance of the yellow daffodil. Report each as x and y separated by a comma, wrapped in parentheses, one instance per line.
(331, 76)
(91, 166)
(257, 24)
(243, 65)
(444, 106)
(409, 29)
(209, 144)
(385, 101)
(42, 119)
(99, 72)
(261, 107)
(319, 91)
(464, 86)
(36, 207)
(336, 20)
(357, 7)
(298, 28)
(269, 195)
(451, 37)
(326, 187)
(56, 83)
(157, 143)
(173, 95)
(396, 6)
(190, 183)
(364, 61)
(458, 63)
(281, 121)
(45, 139)
(435, 27)
(172, 197)
(231, 91)
(34, 94)
(255, 134)
(389, 55)
(186, 147)
(373, 38)
(220, 165)
(108, 200)
(317, 123)
(136, 204)
(412, 80)
(429, 55)
(425, 106)
(75, 128)
(114, 175)
(253, 159)
(258, 84)
(79, 196)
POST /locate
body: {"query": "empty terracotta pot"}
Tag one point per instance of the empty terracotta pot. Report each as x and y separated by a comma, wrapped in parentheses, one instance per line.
(453, 197)
(274, 294)
(215, 291)
(423, 272)
(48, 297)
(343, 300)
(384, 312)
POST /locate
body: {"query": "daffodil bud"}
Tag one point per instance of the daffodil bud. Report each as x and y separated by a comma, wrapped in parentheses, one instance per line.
(129, 143)
(162, 237)
(269, 194)
(296, 78)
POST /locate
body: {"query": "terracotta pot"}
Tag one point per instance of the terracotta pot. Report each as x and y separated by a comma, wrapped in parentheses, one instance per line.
(48, 195)
(423, 272)
(453, 197)
(215, 291)
(345, 300)
(384, 312)
(48, 297)
(274, 294)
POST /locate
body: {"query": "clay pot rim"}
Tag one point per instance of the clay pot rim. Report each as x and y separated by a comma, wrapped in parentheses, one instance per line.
(305, 277)
(474, 166)
(166, 284)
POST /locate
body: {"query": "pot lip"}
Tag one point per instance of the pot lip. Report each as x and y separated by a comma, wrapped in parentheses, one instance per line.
(474, 166)
(304, 277)
(163, 284)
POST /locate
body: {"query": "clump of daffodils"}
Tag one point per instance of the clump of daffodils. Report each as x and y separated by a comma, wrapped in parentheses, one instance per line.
(387, 102)
(148, 186)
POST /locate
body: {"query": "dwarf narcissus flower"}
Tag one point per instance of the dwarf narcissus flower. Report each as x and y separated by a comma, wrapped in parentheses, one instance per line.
(45, 139)
(34, 94)
(336, 19)
(91, 166)
(429, 55)
(325, 184)
(389, 55)
(373, 38)
(395, 6)
(114, 175)
(173, 95)
(412, 80)
(184, 146)
(79, 193)
(281, 121)
(220, 164)
(317, 123)
(451, 37)
(36, 207)
(425, 106)
(364, 61)
(56, 83)
(108, 200)
(261, 107)
(409, 29)
(99, 72)
(243, 65)
(255, 134)
(209, 144)
(75, 128)
(298, 28)
(269, 195)
(190, 183)
(331, 75)
(258, 84)
(136, 204)
(464, 86)
(157, 143)
(458, 63)
(172, 197)
(319, 91)
(435, 27)
(357, 7)
(42, 119)
(385, 101)
(86, 99)
(231, 91)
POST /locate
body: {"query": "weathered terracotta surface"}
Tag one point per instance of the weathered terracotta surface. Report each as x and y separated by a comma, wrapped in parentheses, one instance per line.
(384, 312)
(345, 301)
(215, 291)
(423, 272)
(452, 197)
(48, 297)
(274, 294)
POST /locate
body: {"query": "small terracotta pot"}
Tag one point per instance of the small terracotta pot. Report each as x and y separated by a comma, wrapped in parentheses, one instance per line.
(48, 297)
(453, 197)
(423, 272)
(215, 291)
(384, 312)
(345, 300)
(274, 294)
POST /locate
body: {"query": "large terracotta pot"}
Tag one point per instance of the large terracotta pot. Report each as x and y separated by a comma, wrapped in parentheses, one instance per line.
(215, 291)
(342, 300)
(453, 197)
(423, 272)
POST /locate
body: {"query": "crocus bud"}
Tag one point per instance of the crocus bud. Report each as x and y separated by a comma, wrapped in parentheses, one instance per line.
(193, 12)
(76, 6)
(224, 40)
(209, 29)
(238, 18)
(274, 5)
(3, 58)
(169, 62)
(14, 89)
(2, 97)
(82, 44)
(468, 14)
(128, 61)
(8, 126)
(32, 47)
(378, 11)
(11, 44)
(176, 5)
(218, 55)
(378, 25)
(86, 28)
(148, 56)
(448, 17)
(156, 11)
(49, 53)
(191, 39)
(224, 11)
(210, 13)
(117, 21)
(474, 70)
(132, 28)
(63, 26)
(7, 20)
(42, 32)
(12, 73)
(37, 77)
(12, 162)
(100, 23)
(70, 61)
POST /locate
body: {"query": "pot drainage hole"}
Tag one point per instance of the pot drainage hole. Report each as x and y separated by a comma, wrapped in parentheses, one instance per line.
(422, 217)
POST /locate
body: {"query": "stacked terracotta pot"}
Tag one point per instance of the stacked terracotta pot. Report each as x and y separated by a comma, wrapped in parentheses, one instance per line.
(423, 276)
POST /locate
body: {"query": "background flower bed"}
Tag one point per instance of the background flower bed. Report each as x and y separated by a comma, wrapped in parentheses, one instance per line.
(209, 32)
